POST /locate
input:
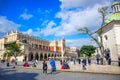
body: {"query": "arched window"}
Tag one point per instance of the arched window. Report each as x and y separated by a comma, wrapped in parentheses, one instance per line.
(106, 38)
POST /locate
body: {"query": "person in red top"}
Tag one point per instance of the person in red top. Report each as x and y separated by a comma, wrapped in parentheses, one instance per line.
(62, 66)
(26, 64)
(12, 61)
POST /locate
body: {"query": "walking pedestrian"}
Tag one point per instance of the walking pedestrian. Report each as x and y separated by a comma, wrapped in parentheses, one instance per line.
(36, 61)
(53, 65)
(119, 61)
(34, 65)
(7, 64)
(12, 61)
(83, 64)
(101, 61)
(45, 67)
(74, 60)
(16, 61)
(89, 61)
(107, 53)
(85, 61)
(97, 58)
(109, 61)
(79, 60)
(61, 62)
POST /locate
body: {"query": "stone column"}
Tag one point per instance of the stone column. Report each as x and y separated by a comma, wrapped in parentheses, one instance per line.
(43, 55)
(39, 56)
(27, 57)
(47, 55)
(33, 56)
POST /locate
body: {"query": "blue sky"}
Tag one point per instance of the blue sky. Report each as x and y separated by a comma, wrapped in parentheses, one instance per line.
(52, 19)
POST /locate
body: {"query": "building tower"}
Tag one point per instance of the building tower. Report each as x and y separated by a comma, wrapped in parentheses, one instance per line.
(115, 12)
(116, 6)
(62, 47)
(111, 31)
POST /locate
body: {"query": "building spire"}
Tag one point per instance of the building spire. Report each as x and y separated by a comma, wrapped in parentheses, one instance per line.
(7, 33)
(12, 31)
(116, 6)
(17, 31)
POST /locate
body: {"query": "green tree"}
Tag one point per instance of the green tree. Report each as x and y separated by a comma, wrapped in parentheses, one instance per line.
(13, 49)
(87, 50)
(103, 12)
(85, 30)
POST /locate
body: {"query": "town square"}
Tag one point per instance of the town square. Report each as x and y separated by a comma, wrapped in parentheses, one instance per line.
(60, 40)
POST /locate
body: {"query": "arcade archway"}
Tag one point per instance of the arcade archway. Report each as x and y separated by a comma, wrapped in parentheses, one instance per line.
(41, 56)
(45, 56)
(36, 56)
(30, 56)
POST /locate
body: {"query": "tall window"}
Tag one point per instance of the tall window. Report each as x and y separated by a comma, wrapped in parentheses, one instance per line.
(106, 38)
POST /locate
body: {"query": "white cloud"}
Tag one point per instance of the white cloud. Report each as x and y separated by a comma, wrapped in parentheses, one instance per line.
(31, 32)
(80, 3)
(6, 25)
(45, 22)
(79, 42)
(74, 19)
(26, 16)
(50, 29)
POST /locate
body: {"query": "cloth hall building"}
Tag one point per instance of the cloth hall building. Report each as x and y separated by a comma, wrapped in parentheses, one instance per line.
(34, 48)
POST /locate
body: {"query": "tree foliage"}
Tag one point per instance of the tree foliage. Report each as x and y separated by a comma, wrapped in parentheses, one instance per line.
(103, 12)
(87, 50)
(85, 30)
(13, 49)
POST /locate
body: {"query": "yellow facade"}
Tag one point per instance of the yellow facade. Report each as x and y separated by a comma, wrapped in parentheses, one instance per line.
(34, 48)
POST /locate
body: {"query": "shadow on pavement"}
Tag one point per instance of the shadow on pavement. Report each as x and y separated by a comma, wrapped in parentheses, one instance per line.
(6, 70)
(13, 74)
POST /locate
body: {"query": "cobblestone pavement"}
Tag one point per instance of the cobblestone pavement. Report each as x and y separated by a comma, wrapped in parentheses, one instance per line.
(8, 73)
(94, 68)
